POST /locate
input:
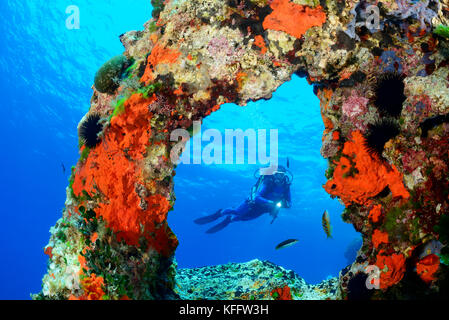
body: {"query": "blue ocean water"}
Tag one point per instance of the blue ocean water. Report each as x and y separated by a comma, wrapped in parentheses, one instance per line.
(46, 77)
(203, 189)
(46, 74)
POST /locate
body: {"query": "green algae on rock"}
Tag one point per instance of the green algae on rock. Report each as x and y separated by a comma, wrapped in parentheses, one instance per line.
(107, 78)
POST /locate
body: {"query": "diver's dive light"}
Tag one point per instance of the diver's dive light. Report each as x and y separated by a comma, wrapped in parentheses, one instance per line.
(279, 204)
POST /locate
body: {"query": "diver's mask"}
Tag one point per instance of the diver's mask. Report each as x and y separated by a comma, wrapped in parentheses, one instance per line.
(281, 177)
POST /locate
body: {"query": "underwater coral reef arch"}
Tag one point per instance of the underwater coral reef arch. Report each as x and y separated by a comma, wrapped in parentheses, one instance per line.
(202, 189)
(113, 240)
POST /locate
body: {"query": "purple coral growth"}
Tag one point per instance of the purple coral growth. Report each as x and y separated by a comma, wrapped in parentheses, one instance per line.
(354, 108)
(355, 105)
(419, 9)
(391, 62)
(220, 46)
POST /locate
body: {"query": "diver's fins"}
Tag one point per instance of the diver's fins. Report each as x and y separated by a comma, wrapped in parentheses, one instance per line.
(209, 218)
(220, 226)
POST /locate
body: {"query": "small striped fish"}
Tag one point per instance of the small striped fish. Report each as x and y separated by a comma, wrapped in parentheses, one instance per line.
(325, 220)
(286, 243)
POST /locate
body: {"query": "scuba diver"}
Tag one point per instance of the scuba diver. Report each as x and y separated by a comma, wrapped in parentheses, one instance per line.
(268, 195)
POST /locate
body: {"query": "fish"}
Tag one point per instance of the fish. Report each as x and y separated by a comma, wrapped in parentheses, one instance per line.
(286, 243)
(431, 247)
(325, 220)
(63, 167)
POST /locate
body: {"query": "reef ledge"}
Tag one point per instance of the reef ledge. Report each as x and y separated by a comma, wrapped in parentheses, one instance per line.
(253, 280)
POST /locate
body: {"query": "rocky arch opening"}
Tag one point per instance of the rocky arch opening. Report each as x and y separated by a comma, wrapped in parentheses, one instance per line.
(202, 189)
(395, 207)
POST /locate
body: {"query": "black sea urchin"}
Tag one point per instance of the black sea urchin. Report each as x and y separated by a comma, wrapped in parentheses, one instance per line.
(390, 94)
(378, 134)
(357, 289)
(432, 122)
(89, 130)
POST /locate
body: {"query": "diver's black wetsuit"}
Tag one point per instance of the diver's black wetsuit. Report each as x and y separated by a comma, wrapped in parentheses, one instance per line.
(272, 193)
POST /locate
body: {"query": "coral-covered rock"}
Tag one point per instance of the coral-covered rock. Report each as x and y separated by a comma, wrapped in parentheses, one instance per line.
(92, 288)
(281, 293)
(252, 280)
(109, 173)
(194, 56)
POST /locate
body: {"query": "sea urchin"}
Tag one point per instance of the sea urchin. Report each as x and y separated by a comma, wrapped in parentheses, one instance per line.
(378, 134)
(390, 94)
(89, 130)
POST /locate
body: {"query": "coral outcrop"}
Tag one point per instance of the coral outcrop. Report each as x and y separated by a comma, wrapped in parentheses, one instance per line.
(253, 280)
(113, 241)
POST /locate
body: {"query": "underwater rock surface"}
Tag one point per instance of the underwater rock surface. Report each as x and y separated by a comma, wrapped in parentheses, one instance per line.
(384, 92)
(253, 280)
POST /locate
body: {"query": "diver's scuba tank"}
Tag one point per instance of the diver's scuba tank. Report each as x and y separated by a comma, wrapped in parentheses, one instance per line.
(255, 188)
(288, 179)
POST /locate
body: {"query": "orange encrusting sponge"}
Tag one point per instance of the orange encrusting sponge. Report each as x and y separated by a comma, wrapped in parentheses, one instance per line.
(392, 269)
(114, 170)
(375, 213)
(292, 18)
(427, 267)
(158, 55)
(379, 237)
(282, 293)
(370, 178)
